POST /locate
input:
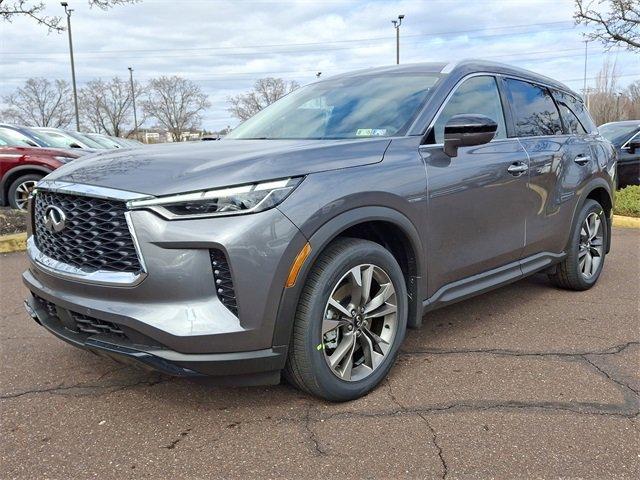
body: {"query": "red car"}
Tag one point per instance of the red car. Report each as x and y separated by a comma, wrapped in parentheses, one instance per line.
(22, 167)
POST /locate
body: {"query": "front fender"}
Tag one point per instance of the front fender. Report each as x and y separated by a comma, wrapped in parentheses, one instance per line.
(330, 230)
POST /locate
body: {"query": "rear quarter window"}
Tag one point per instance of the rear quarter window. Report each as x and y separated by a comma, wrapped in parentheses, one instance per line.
(572, 123)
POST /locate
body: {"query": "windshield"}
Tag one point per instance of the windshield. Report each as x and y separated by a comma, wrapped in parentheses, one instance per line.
(86, 141)
(353, 107)
(57, 139)
(617, 133)
(106, 142)
(14, 138)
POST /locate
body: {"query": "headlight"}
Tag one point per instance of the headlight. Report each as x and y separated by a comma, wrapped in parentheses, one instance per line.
(242, 199)
(64, 159)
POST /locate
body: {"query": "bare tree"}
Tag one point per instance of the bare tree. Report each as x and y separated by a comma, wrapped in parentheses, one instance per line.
(602, 99)
(40, 103)
(108, 106)
(35, 10)
(617, 22)
(265, 92)
(631, 106)
(177, 104)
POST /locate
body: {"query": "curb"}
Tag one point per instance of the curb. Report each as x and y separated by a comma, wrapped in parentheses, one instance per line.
(626, 222)
(13, 243)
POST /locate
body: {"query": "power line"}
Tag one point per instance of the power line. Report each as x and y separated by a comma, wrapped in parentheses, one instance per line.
(356, 40)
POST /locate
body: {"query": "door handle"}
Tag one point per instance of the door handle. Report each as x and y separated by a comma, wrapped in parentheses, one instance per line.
(517, 168)
(582, 159)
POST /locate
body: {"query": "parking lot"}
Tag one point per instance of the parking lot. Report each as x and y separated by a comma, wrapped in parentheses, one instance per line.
(525, 381)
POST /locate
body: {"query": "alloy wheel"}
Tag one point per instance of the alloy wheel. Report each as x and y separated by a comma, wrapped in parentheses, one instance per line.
(591, 247)
(22, 193)
(360, 322)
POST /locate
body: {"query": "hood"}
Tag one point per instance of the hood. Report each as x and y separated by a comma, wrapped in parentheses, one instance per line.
(174, 168)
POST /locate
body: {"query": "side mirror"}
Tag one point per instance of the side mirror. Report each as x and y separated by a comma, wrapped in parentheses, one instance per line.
(467, 130)
(634, 145)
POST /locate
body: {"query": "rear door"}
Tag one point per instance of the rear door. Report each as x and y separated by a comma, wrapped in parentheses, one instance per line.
(476, 201)
(560, 160)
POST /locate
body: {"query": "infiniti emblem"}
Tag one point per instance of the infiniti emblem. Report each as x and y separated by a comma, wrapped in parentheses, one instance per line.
(54, 219)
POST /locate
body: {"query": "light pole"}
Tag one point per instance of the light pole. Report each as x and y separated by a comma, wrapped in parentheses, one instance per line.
(396, 25)
(133, 97)
(586, 45)
(68, 11)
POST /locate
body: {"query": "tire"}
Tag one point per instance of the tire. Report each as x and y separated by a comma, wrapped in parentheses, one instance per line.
(310, 352)
(18, 189)
(569, 273)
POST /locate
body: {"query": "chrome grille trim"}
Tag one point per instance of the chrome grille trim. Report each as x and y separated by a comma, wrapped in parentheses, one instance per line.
(70, 272)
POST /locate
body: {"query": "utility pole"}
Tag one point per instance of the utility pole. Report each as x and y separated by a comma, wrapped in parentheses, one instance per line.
(133, 98)
(68, 11)
(396, 25)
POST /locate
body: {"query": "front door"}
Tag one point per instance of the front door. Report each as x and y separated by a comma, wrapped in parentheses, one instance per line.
(476, 201)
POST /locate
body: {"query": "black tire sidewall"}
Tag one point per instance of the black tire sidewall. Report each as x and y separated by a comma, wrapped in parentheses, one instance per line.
(366, 252)
(589, 207)
(14, 186)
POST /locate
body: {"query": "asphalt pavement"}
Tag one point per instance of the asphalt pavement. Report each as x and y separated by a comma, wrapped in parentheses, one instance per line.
(526, 381)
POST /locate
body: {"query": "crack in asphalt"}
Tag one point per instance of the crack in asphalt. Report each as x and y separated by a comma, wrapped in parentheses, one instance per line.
(516, 353)
(312, 434)
(175, 442)
(82, 387)
(580, 408)
(609, 376)
(434, 436)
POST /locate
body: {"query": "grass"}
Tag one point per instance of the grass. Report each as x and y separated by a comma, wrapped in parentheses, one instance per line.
(628, 201)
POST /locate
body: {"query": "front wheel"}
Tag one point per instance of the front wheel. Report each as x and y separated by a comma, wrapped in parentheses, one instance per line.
(583, 264)
(350, 321)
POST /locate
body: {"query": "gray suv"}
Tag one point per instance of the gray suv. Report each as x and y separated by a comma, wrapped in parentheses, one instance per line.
(310, 238)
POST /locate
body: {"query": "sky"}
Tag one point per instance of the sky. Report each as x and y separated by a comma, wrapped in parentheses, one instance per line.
(225, 45)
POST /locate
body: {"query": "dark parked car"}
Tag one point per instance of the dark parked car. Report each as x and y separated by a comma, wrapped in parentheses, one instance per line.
(625, 137)
(21, 167)
(314, 234)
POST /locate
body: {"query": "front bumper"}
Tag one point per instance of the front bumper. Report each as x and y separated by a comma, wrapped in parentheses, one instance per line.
(245, 368)
(174, 305)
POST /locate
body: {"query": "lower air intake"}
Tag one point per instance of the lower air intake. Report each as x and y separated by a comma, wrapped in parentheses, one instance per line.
(223, 281)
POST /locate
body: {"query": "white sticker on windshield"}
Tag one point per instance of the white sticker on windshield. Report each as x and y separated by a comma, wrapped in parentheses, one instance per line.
(371, 132)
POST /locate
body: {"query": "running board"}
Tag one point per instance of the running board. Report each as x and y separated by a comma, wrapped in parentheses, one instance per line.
(483, 282)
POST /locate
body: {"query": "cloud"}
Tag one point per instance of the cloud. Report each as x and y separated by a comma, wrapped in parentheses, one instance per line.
(226, 45)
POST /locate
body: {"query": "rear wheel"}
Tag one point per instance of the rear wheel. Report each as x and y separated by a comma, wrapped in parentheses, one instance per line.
(586, 252)
(20, 190)
(350, 321)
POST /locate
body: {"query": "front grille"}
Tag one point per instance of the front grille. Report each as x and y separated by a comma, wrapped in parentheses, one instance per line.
(96, 235)
(223, 281)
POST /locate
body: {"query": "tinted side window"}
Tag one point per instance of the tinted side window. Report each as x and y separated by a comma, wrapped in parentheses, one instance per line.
(571, 122)
(581, 112)
(533, 109)
(475, 95)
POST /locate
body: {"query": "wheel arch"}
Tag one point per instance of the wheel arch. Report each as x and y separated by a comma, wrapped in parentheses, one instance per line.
(383, 225)
(16, 172)
(599, 190)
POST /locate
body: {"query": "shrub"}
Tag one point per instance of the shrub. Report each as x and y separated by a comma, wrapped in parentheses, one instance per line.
(628, 201)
